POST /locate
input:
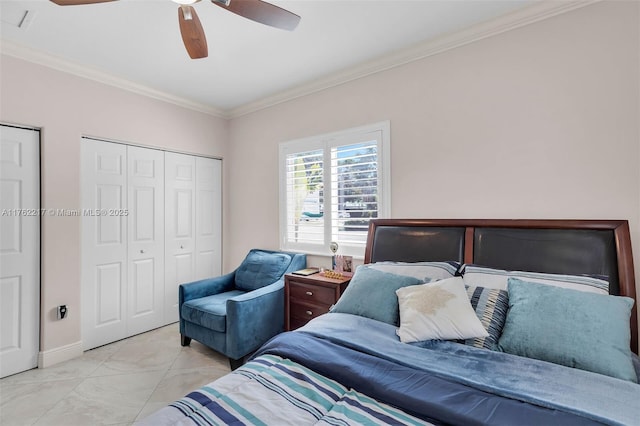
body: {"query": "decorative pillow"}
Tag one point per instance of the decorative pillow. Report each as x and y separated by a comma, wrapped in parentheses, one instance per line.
(424, 271)
(439, 310)
(491, 307)
(475, 275)
(371, 294)
(568, 327)
(261, 268)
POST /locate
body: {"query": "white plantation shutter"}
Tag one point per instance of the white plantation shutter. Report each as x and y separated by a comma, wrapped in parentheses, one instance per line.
(354, 194)
(331, 186)
(305, 208)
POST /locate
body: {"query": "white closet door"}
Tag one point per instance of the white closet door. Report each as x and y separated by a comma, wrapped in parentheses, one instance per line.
(104, 248)
(19, 249)
(146, 239)
(180, 178)
(208, 218)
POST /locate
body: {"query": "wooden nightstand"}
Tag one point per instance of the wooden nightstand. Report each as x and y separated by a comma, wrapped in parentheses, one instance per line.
(306, 297)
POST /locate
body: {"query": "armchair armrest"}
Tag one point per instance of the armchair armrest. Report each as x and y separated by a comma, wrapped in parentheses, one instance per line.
(253, 318)
(206, 287)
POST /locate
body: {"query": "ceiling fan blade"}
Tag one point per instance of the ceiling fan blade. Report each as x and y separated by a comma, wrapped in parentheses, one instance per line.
(78, 2)
(261, 11)
(192, 33)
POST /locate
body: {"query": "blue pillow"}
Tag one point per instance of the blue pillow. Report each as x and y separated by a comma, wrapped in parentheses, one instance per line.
(261, 268)
(568, 327)
(372, 294)
(491, 306)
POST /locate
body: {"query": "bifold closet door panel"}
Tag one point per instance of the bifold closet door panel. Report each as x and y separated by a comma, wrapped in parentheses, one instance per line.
(145, 185)
(180, 218)
(104, 242)
(208, 218)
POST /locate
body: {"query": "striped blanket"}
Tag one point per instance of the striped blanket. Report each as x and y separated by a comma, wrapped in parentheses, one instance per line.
(302, 397)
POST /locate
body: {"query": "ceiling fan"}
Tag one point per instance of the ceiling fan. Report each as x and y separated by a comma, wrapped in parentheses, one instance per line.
(191, 29)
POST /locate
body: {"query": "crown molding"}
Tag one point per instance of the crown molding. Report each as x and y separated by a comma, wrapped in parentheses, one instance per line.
(519, 18)
(51, 61)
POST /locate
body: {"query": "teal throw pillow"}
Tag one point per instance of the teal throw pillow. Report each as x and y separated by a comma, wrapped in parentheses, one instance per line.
(372, 294)
(568, 327)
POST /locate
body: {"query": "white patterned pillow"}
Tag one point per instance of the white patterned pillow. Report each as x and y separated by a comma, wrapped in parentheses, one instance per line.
(439, 310)
(482, 276)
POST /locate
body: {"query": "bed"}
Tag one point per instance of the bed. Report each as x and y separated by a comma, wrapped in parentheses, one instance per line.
(557, 344)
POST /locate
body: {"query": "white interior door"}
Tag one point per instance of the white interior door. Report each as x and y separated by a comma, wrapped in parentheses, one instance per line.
(19, 249)
(104, 242)
(180, 178)
(146, 239)
(208, 218)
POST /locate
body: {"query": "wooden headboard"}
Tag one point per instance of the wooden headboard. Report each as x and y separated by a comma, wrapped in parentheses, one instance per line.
(594, 247)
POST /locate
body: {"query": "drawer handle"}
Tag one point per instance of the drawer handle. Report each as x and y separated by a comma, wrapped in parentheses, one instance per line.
(309, 293)
(309, 313)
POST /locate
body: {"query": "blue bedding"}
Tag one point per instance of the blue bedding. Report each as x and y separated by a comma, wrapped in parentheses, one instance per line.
(449, 383)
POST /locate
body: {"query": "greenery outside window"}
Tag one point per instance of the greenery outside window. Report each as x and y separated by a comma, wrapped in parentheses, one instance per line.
(331, 186)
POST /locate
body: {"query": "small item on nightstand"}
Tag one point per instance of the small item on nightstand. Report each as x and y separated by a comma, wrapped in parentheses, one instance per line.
(343, 264)
(307, 271)
(334, 248)
(333, 274)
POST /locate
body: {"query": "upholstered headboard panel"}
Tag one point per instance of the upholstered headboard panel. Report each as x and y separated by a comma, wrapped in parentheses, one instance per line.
(557, 251)
(594, 247)
(415, 243)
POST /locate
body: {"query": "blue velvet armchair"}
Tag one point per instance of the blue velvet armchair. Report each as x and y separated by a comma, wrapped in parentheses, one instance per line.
(236, 313)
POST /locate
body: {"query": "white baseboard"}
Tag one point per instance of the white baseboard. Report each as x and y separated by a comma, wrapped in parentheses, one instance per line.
(58, 355)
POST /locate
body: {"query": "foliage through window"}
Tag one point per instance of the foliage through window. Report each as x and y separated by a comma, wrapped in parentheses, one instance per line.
(331, 186)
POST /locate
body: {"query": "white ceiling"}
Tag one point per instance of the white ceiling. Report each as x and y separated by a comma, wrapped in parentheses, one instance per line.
(138, 41)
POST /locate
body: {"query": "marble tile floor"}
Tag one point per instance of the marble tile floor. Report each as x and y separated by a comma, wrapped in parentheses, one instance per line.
(115, 384)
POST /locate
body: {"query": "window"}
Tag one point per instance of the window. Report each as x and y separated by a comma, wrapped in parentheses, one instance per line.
(331, 186)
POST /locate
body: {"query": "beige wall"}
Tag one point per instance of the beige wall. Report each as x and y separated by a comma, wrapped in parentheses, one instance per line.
(66, 107)
(538, 122)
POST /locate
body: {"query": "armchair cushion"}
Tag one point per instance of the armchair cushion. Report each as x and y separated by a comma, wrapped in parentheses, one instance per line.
(209, 312)
(261, 268)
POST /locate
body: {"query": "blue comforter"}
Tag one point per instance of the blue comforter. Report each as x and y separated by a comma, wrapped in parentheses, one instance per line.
(449, 383)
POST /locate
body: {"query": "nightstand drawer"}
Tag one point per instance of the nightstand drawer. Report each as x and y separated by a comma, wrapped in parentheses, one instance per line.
(307, 312)
(312, 293)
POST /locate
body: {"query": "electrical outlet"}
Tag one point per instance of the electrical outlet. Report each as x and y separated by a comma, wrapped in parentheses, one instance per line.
(62, 311)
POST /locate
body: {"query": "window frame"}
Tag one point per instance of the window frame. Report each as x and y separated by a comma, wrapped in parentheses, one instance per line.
(326, 142)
